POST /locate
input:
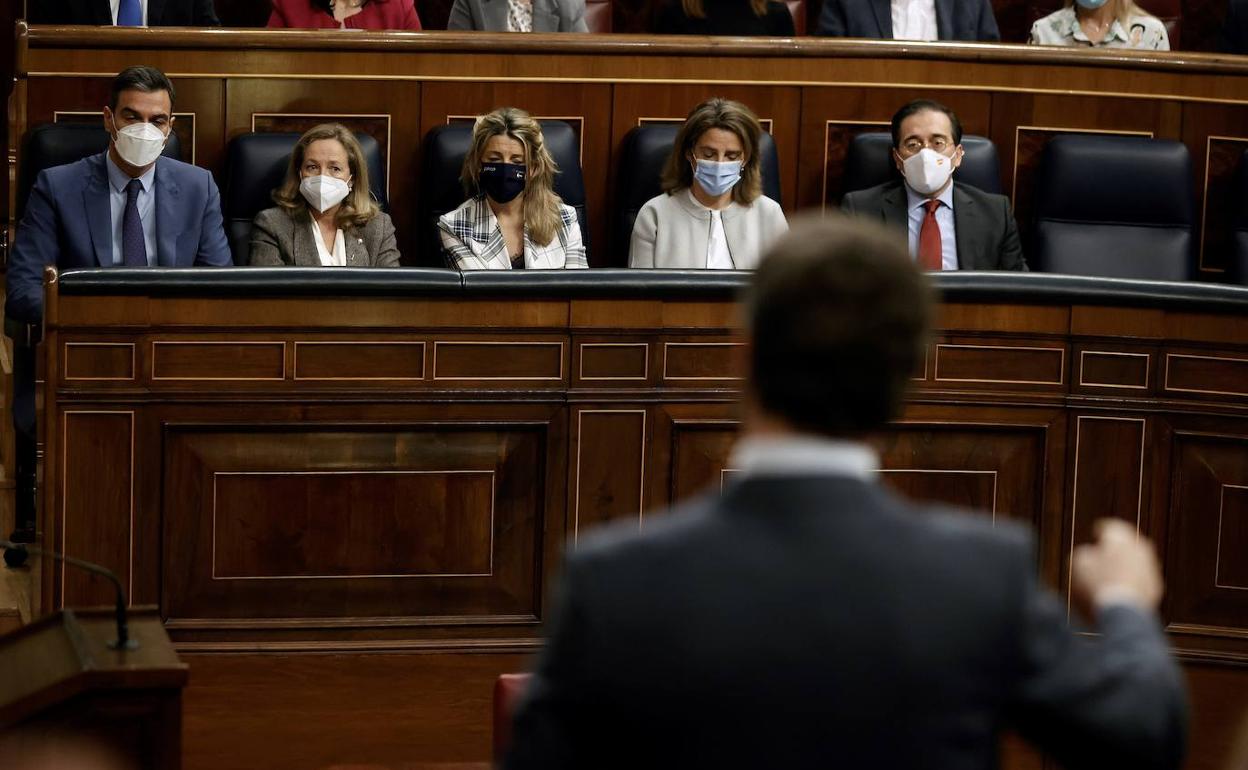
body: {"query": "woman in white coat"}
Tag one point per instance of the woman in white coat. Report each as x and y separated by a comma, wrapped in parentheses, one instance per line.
(712, 212)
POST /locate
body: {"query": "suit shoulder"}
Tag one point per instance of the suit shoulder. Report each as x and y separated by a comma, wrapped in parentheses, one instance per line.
(79, 170)
(623, 541)
(271, 216)
(973, 192)
(958, 528)
(872, 194)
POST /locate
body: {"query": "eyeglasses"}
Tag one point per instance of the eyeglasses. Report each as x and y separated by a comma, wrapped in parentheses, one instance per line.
(939, 144)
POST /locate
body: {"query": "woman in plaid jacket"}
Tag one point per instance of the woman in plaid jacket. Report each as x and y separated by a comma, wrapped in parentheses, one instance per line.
(516, 220)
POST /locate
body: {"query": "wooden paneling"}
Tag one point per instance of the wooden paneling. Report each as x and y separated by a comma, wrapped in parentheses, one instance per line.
(96, 501)
(703, 362)
(601, 362)
(609, 476)
(984, 364)
(100, 361)
(1116, 369)
(480, 360)
(1206, 375)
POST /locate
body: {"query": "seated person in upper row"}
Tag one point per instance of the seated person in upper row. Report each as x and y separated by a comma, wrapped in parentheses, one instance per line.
(518, 15)
(344, 14)
(124, 13)
(712, 213)
(909, 19)
(1101, 24)
(724, 17)
(127, 206)
(324, 214)
(952, 226)
(513, 218)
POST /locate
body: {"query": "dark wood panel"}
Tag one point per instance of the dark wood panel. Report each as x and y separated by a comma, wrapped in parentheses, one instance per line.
(704, 362)
(500, 361)
(96, 361)
(1216, 136)
(982, 363)
(610, 451)
(1205, 558)
(1118, 369)
(1206, 374)
(97, 501)
(359, 361)
(225, 360)
(347, 523)
(319, 711)
(613, 362)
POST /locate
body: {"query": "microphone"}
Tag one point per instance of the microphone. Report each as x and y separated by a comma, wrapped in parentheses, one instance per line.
(15, 556)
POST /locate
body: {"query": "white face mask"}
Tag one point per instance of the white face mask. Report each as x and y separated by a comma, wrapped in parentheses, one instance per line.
(324, 192)
(927, 170)
(140, 144)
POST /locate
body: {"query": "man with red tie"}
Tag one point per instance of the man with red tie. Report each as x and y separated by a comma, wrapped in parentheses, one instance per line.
(951, 226)
(124, 13)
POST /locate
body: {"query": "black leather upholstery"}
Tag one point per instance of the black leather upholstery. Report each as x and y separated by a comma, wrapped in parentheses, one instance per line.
(1239, 222)
(441, 191)
(1116, 206)
(953, 286)
(55, 144)
(642, 158)
(869, 162)
(255, 165)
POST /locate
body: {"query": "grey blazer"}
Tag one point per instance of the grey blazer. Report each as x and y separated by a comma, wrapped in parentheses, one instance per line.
(278, 239)
(986, 233)
(491, 15)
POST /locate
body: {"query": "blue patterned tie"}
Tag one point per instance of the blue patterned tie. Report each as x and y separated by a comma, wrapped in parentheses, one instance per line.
(129, 13)
(133, 247)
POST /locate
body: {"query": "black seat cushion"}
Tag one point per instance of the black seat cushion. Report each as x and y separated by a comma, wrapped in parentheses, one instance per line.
(55, 144)
(441, 190)
(869, 162)
(1114, 206)
(255, 165)
(642, 157)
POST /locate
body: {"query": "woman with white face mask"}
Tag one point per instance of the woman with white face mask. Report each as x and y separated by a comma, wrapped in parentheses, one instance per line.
(712, 213)
(1101, 24)
(324, 213)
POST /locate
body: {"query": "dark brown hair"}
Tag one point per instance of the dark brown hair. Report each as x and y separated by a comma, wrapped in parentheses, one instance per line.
(139, 78)
(839, 315)
(730, 116)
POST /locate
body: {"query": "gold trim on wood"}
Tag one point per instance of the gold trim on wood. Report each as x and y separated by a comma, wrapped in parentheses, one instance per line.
(1166, 384)
(1204, 206)
(133, 363)
(65, 494)
(581, 354)
(641, 494)
(365, 472)
(1217, 560)
(827, 135)
(355, 343)
(280, 343)
(1062, 366)
(1148, 362)
(667, 345)
(498, 343)
(952, 471)
(1074, 490)
(337, 117)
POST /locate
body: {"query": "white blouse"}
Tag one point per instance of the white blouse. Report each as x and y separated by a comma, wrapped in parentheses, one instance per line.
(338, 258)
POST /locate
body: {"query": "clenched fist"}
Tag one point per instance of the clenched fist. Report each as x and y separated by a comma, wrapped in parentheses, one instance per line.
(1119, 567)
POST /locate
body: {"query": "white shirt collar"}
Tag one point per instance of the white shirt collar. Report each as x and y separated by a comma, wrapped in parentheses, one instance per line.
(120, 179)
(914, 200)
(804, 455)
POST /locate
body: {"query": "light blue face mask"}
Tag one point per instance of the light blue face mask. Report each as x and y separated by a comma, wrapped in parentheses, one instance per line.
(717, 177)
(1090, 5)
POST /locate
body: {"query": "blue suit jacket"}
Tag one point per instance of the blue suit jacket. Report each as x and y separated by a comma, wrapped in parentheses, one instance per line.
(68, 224)
(955, 19)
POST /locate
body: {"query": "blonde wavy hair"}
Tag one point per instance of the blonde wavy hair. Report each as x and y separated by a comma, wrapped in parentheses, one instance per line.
(1126, 10)
(358, 207)
(730, 116)
(542, 216)
(696, 9)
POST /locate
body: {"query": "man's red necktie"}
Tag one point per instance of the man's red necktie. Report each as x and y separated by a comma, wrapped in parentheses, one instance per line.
(929, 239)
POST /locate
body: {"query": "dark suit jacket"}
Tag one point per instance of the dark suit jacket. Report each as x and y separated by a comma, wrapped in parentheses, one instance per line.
(160, 13)
(68, 224)
(986, 233)
(1235, 31)
(278, 239)
(955, 19)
(819, 621)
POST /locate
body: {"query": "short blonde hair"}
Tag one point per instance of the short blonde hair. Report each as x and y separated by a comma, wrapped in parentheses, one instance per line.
(358, 207)
(729, 116)
(542, 213)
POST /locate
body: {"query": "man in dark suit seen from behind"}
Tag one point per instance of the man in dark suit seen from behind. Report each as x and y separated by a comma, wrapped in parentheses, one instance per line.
(951, 226)
(127, 206)
(124, 13)
(967, 20)
(807, 617)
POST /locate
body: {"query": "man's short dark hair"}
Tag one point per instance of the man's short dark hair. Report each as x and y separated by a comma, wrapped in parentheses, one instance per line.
(839, 315)
(923, 105)
(139, 78)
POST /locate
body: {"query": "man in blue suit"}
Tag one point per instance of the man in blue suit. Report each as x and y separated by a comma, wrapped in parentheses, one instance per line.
(970, 20)
(127, 206)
